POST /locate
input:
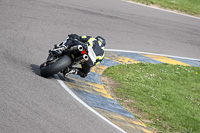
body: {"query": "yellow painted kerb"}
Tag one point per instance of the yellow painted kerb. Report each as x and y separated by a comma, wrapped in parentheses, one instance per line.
(165, 60)
(122, 60)
(98, 69)
(99, 88)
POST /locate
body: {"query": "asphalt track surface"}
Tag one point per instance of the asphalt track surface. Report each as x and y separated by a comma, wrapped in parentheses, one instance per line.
(28, 28)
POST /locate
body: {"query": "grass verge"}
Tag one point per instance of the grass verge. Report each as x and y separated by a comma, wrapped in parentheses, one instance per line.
(191, 7)
(166, 97)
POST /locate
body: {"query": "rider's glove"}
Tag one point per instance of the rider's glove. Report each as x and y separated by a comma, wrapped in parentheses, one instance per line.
(58, 45)
(58, 49)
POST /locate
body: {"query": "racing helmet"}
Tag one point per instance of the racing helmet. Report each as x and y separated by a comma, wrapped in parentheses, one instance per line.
(101, 40)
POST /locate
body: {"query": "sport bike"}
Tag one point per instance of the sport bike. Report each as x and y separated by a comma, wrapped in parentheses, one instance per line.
(67, 60)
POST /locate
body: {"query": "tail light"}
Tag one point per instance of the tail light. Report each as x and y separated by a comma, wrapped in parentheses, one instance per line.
(83, 52)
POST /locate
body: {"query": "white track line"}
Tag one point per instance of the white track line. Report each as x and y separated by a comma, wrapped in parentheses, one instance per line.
(84, 104)
(127, 51)
(132, 2)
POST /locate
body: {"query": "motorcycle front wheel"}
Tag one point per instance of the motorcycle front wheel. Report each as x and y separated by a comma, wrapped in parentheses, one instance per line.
(56, 67)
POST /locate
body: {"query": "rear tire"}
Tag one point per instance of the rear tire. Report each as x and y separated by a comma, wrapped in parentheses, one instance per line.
(42, 65)
(56, 67)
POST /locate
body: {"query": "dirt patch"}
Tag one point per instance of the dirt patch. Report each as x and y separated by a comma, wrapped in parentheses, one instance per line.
(110, 86)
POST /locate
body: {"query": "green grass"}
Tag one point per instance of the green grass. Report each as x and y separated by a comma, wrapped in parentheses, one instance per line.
(191, 7)
(168, 96)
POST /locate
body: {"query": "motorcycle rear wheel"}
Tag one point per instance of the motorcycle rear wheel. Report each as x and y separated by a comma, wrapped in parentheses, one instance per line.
(56, 67)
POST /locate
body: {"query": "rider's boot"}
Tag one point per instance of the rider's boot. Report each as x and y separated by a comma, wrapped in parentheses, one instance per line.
(69, 71)
(76, 71)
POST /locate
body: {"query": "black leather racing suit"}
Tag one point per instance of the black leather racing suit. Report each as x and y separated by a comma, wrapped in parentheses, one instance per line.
(97, 47)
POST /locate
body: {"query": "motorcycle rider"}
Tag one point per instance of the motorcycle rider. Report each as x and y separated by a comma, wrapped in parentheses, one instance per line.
(96, 44)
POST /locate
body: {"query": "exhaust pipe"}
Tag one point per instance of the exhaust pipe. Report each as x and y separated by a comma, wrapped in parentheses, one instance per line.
(82, 58)
(80, 48)
(85, 57)
(76, 48)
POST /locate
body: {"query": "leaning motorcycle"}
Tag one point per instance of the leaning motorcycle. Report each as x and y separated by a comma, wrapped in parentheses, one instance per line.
(69, 58)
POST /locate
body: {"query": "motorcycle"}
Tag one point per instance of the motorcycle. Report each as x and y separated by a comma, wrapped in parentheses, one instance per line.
(67, 60)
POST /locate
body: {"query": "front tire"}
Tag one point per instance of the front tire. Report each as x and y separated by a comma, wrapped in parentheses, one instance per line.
(56, 67)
